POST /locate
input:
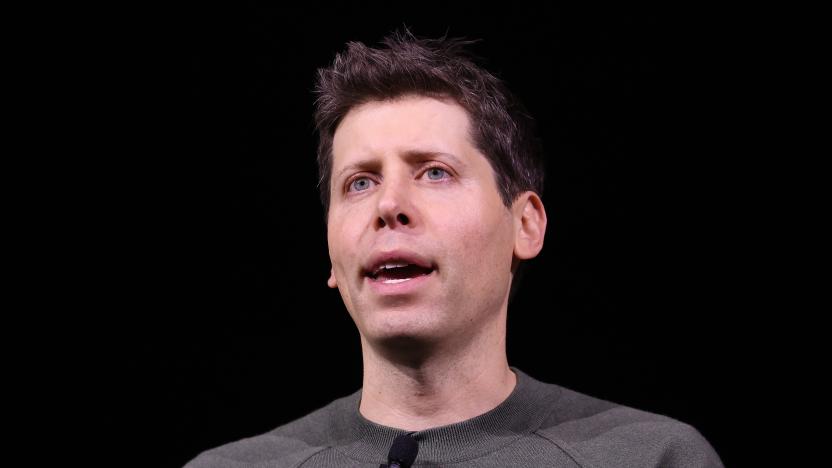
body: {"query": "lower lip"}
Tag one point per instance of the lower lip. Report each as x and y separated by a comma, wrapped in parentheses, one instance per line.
(404, 287)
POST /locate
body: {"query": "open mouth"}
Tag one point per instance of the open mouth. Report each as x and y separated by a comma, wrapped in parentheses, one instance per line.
(393, 273)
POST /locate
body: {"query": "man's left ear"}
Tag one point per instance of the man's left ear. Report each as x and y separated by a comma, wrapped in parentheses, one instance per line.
(530, 225)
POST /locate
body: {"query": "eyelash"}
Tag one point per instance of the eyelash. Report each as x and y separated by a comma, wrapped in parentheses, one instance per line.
(427, 169)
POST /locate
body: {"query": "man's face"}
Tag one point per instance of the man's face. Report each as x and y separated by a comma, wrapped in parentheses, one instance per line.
(408, 187)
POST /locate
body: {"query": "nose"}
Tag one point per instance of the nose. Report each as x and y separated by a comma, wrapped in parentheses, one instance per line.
(395, 209)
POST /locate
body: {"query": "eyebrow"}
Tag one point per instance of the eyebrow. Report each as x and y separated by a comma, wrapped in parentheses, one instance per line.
(408, 155)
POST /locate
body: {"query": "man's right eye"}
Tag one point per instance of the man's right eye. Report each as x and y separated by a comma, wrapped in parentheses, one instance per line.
(359, 184)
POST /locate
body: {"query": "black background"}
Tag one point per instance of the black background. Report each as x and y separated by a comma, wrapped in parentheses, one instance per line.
(221, 325)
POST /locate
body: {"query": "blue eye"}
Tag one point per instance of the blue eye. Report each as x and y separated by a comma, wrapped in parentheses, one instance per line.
(436, 171)
(360, 184)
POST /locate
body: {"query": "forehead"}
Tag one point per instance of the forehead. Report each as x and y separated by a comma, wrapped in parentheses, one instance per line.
(377, 128)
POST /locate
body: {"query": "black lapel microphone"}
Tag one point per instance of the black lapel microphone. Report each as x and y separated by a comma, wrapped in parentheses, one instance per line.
(403, 452)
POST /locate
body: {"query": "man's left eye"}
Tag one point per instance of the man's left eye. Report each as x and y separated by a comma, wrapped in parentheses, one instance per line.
(435, 173)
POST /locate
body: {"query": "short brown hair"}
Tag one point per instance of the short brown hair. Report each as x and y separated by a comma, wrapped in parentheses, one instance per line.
(501, 129)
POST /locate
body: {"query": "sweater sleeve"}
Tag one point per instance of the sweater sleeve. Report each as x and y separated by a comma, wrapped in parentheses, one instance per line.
(686, 447)
(600, 434)
(670, 444)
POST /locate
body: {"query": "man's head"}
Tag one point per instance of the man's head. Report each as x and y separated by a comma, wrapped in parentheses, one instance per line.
(425, 160)
(503, 131)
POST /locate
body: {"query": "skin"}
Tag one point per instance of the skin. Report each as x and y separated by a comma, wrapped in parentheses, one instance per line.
(436, 355)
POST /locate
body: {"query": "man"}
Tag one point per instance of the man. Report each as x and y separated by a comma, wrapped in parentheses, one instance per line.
(431, 179)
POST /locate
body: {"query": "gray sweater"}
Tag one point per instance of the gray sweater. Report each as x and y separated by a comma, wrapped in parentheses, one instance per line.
(538, 425)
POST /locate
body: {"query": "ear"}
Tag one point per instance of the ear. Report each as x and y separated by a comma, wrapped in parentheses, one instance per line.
(530, 225)
(331, 281)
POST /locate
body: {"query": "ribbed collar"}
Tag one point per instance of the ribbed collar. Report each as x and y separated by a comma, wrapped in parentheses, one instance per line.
(520, 413)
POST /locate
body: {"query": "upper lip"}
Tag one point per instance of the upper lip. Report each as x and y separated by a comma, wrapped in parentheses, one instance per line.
(380, 258)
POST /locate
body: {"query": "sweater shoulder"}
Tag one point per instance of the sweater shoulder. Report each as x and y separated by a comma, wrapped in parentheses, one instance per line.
(601, 433)
(287, 445)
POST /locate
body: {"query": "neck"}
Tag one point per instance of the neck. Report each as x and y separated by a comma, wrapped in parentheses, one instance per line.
(439, 387)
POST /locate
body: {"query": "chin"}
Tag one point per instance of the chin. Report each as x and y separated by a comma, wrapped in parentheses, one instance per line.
(405, 324)
(405, 333)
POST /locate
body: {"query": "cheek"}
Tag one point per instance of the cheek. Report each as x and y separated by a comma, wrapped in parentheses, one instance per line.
(345, 225)
(338, 240)
(344, 236)
(480, 238)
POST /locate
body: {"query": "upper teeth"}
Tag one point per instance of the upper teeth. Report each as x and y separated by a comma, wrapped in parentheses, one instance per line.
(388, 266)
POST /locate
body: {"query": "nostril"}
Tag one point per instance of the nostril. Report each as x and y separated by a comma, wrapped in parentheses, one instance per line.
(400, 219)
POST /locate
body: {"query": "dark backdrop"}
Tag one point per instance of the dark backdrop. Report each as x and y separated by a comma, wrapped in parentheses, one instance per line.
(220, 316)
